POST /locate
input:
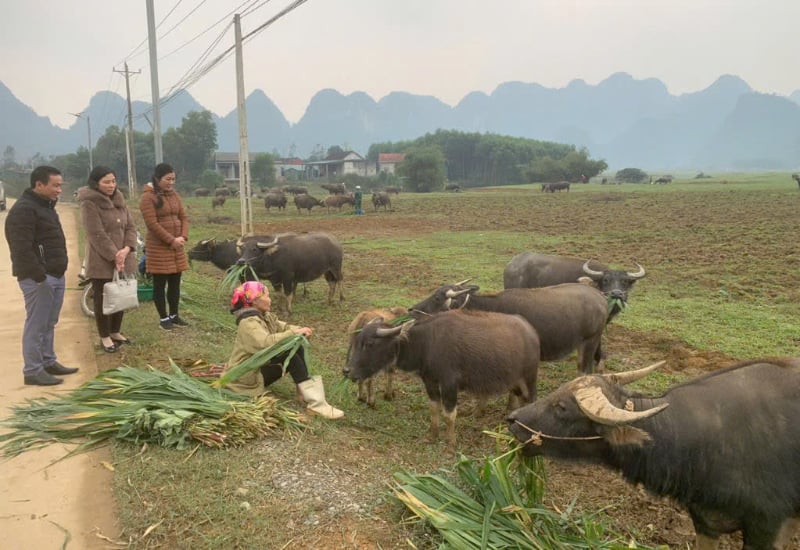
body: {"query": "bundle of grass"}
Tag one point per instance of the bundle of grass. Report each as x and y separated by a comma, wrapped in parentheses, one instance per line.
(144, 406)
(236, 275)
(499, 505)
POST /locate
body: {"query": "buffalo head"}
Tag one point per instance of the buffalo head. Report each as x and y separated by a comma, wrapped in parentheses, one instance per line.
(374, 348)
(445, 298)
(582, 417)
(203, 250)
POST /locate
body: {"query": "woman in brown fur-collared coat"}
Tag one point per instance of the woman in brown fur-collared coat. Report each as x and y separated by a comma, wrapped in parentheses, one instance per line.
(111, 240)
(167, 233)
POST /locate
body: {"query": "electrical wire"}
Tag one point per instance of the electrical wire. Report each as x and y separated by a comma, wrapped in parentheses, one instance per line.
(143, 42)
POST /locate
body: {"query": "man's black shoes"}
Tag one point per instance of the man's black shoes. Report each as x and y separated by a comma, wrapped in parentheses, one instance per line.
(59, 369)
(42, 378)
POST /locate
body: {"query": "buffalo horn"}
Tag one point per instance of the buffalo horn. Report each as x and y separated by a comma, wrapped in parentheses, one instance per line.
(594, 404)
(591, 272)
(388, 332)
(639, 274)
(465, 281)
(453, 293)
(267, 245)
(633, 375)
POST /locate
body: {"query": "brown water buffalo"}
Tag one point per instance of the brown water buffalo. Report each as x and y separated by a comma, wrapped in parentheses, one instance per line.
(337, 201)
(531, 270)
(219, 200)
(306, 202)
(567, 317)
(726, 445)
(366, 391)
(392, 190)
(222, 192)
(295, 189)
(482, 353)
(381, 198)
(290, 258)
(796, 177)
(334, 188)
(202, 192)
(275, 199)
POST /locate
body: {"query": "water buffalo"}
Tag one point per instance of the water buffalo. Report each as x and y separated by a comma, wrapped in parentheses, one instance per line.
(567, 317)
(456, 188)
(275, 199)
(381, 198)
(222, 254)
(219, 200)
(295, 189)
(202, 192)
(222, 192)
(334, 188)
(307, 202)
(557, 186)
(392, 190)
(725, 445)
(482, 353)
(366, 391)
(531, 270)
(796, 177)
(337, 201)
(289, 258)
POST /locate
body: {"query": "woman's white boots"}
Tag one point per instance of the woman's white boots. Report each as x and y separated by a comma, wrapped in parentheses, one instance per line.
(313, 393)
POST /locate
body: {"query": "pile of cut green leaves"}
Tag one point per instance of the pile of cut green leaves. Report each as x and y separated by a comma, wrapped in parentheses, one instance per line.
(499, 505)
(168, 409)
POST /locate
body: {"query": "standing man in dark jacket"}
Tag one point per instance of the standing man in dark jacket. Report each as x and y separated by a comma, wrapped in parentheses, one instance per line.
(39, 261)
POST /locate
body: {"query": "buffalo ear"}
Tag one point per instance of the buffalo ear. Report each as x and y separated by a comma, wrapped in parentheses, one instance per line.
(624, 435)
(273, 249)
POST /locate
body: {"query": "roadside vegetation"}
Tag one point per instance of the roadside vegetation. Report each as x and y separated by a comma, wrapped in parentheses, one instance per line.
(722, 261)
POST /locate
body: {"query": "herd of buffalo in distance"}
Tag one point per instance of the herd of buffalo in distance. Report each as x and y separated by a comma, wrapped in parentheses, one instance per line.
(725, 445)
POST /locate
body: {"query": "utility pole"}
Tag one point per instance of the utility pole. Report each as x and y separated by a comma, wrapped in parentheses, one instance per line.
(151, 36)
(244, 155)
(129, 142)
(85, 115)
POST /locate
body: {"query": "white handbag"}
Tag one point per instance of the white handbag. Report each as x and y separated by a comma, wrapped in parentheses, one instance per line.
(120, 294)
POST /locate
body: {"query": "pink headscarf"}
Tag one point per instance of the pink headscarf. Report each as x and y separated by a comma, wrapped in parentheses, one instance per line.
(248, 293)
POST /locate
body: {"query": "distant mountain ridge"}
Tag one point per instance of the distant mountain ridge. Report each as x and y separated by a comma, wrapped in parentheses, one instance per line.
(626, 121)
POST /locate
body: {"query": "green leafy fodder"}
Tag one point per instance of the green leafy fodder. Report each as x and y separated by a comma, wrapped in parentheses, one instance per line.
(499, 505)
(234, 276)
(143, 405)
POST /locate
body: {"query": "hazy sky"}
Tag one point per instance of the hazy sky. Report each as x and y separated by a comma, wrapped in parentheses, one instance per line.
(57, 54)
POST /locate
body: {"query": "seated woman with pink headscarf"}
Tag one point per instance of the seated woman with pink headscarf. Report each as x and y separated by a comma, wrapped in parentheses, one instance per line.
(258, 329)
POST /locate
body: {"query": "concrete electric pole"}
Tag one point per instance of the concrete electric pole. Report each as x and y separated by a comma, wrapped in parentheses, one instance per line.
(85, 115)
(131, 150)
(151, 36)
(245, 194)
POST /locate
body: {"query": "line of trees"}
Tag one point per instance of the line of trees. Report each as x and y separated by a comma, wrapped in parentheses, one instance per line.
(475, 159)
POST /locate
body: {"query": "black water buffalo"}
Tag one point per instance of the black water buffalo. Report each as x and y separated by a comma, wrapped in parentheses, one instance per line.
(337, 201)
(222, 192)
(222, 254)
(725, 445)
(295, 189)
(366, 391)
(482, 353)
(218, 200)
(290, 258)
(202, 192)
(456, 188)
(275, 199)
(381, 198)
(334, 188)
(531, 270)
(557, 186)
(796, 177)
(567, 317)
(306, 202)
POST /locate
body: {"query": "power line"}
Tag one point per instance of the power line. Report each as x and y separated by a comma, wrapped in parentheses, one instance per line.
(135, 50)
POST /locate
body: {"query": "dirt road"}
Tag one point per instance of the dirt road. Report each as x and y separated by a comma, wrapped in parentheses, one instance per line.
(67, 505)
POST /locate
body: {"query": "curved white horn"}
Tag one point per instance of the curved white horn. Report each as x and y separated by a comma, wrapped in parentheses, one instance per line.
(465, 281)
(388, 332)
(591, 272)
(267, 245)
(633, 375)
(453, 293)
(637, 275)
(594, 404)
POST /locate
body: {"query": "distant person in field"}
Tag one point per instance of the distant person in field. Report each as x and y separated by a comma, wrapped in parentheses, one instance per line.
(38, 250)
(258, 329)
(167, 234)
(359, 196)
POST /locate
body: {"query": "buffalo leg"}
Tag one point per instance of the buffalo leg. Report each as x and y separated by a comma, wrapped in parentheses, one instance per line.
(789, 528)
(450, 429)
(388, 395)
(433, 432)
(704, 542)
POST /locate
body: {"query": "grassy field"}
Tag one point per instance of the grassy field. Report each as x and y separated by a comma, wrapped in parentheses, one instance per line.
(722, 260)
